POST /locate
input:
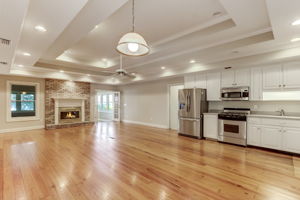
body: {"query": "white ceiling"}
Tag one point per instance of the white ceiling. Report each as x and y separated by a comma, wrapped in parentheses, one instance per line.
(82, 35)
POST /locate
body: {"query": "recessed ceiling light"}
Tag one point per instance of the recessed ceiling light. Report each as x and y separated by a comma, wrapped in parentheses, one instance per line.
(133, 74)
(96, 26)
(297, 22)
(20, 65)
(40, 28)
(163, 67)
(88, 75)
(192, 61)
(61, 71)
(295, 39)
(104, 59)
(26, 54)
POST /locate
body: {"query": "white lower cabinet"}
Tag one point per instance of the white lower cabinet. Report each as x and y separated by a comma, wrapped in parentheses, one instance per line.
(279, 134)
(271, 137)
(254, 137)
(210, 128)
(291, 140)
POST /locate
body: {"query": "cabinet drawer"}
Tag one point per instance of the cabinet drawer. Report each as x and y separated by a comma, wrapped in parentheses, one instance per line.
(272, 122)
(291, 123)
(253, 120)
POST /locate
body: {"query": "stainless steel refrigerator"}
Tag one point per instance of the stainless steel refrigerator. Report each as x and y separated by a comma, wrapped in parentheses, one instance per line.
(192, 105)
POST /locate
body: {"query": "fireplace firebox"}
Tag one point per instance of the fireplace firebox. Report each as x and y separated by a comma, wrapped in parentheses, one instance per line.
(69, 115)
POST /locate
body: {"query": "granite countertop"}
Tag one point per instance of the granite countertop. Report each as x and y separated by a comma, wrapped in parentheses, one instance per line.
(289, 115)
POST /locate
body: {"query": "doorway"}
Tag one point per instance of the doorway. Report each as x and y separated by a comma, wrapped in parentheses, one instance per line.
(107, 105)
(174, 105)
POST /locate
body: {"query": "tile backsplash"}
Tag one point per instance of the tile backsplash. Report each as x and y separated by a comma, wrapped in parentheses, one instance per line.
(269, 106)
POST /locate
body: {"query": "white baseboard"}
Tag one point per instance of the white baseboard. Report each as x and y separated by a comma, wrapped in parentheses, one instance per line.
(21, 129)
(145, 124)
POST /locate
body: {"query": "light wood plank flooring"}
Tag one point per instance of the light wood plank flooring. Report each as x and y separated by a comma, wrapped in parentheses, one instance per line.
(121, 161)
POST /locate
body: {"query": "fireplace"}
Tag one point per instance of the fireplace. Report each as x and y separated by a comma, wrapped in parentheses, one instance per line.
(69, 115)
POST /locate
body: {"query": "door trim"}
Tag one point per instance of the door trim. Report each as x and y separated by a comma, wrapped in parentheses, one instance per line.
(169, 99)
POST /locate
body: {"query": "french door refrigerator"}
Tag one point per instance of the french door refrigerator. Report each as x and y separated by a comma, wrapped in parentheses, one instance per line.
(192, 105)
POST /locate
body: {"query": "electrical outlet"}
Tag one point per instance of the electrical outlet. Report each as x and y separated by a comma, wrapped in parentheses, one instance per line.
(255, 107)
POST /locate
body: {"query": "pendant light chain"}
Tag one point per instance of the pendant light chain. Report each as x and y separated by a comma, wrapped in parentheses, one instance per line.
(133, 17)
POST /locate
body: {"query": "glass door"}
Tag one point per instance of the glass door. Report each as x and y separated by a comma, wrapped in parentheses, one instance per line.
(117, 106)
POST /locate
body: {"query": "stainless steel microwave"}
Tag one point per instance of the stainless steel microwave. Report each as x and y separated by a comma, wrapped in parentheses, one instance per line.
(235, 94)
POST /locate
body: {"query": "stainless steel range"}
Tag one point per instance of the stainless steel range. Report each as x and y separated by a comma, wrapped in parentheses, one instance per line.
(233, 125)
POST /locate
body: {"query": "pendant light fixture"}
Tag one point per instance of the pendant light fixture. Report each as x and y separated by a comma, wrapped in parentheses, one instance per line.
(132, 43)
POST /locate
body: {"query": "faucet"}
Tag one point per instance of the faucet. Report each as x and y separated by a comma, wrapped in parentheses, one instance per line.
(282, 112)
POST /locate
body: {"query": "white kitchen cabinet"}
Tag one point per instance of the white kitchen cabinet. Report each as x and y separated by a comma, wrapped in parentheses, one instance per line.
(228, 78)
(210, 128)
(235, 78)
(291, 140)
(254, 135)
(291, 74)
(242, 77)
(189, 81)
(271, 137)
(256, 90)
(200, 80)
(213, 86)
(282, 76)
(274, 133)
(272, 77)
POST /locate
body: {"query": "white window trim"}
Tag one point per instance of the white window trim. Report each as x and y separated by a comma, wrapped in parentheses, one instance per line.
(8, 102)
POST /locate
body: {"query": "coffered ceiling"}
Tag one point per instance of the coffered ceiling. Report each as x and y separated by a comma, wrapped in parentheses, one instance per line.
(80, 37)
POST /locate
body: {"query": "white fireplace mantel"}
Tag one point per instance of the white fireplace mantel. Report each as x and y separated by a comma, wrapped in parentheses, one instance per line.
(69, 102)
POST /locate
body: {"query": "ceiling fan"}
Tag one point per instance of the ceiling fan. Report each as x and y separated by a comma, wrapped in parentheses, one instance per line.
(122, 72)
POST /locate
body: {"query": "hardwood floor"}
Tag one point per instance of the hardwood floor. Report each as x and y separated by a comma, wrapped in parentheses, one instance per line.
(121, 161)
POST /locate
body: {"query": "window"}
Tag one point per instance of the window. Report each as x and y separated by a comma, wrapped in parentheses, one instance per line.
(281, 95)
(106, 102)
(22, 101)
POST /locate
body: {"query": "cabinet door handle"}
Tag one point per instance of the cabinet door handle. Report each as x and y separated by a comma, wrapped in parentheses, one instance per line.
(279, 85)
(283, 85)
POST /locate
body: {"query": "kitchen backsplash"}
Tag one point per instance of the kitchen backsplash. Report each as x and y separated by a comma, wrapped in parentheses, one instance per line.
(268, 106)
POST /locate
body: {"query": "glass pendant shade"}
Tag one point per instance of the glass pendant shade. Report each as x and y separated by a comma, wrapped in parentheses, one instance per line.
(133, 44)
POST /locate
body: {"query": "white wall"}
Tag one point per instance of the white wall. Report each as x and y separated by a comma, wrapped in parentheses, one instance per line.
(147, 103)
(94, 88)
(6, 126)
(264, 106)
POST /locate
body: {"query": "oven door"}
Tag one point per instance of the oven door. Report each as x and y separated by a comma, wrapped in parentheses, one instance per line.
(232, 129)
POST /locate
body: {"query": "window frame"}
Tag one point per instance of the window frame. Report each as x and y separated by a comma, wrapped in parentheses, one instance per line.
(106, 96)
(9, 117)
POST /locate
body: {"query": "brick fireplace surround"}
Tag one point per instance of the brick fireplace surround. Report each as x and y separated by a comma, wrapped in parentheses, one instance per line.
(55, 89)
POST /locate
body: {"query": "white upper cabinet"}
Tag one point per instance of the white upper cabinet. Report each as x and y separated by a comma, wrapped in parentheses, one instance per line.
(213, 86)
(234, 78)
(242, 77)
(189, 81)
(200, 80)
(227, 78)
(282, 76)
(256, 89)
(291, 75)
(272, 77)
